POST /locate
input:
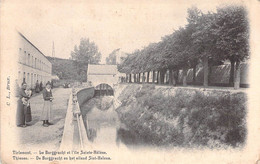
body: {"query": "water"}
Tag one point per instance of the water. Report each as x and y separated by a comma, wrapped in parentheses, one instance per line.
(104, 128)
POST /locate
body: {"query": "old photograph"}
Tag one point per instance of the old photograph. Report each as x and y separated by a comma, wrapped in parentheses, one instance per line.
(130, 81)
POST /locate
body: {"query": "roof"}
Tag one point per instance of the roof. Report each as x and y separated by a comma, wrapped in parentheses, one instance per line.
(102, 69)
(32, 45)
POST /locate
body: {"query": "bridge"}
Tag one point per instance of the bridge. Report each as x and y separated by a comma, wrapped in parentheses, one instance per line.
(103, 78)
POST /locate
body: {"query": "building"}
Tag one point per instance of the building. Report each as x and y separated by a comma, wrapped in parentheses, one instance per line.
(32, 63)
(102, 74)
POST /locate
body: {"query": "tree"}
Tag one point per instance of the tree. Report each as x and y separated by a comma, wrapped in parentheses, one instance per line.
(111, 59)
(211, 38)
(233, 33)
(84, 54)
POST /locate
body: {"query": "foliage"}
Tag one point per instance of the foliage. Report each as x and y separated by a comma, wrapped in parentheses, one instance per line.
(210, 119)
(84, 54)
(63, 68)
(111, 59)
(218, 36)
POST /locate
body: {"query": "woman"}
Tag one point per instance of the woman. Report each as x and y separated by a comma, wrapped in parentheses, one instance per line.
(22, 106)
(28, 115)
(37, 87)
(46, 112)
(40, 87)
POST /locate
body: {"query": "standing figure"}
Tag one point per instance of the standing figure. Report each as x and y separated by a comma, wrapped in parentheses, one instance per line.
(47, 106)
(22, 106)
(51, 84)
(28, 115)
(40, 86)
(37, 87)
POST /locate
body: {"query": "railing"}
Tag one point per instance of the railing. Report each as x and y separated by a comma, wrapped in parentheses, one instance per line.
(74, 133)
(77, 113)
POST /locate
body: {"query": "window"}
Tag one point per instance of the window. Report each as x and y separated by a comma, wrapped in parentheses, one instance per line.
(35, 63)
(28, 78)
(32, 80)
(28, 60)
(24, 77)
(32, 61)
(24, 58)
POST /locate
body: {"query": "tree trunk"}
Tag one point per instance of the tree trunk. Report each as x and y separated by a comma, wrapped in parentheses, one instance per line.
(130, 78)
(143, 79)
(184, 73)
(158, 77)
(162, 76)
(237, 76)
(139, 77)
(170, 77)
(174, 78)
(194, 74)
(148, 76)
(177, 76)
(231, 75)
(206, 71)
(134, 78)
(153, 77)
(209, 74)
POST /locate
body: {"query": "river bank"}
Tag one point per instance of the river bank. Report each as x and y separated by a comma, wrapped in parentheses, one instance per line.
(184, 117)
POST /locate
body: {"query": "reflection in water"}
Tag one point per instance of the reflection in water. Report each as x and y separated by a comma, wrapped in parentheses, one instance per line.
(102, 124)
(92, 134)
(104, 127)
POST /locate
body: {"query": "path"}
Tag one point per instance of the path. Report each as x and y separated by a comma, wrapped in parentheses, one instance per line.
(209, 88)
(38, 137)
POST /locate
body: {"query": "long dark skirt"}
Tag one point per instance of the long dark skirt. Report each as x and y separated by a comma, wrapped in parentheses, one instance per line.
(28, 114)
(20, 114)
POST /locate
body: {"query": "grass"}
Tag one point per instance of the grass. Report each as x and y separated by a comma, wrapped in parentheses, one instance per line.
(210, 119)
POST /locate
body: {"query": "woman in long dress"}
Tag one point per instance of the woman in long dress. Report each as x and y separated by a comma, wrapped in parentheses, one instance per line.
(28, 115)
(37, 87)
(47, 106)
(22, 107)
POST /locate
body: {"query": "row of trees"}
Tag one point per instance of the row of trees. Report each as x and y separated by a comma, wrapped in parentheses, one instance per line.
(208, 38)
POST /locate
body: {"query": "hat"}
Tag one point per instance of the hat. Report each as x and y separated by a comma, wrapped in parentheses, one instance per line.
(48, 83)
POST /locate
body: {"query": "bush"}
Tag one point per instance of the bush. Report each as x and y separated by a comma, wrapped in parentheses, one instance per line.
(212, 118)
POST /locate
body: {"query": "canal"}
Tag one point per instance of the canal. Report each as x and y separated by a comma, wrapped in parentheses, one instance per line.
(104, 128)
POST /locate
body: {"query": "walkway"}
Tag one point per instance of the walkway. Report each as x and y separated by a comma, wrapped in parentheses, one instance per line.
(196, 87)
(38, 137)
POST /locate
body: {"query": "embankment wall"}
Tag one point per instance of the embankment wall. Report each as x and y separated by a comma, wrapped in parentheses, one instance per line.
(84, 95)
(73, 129)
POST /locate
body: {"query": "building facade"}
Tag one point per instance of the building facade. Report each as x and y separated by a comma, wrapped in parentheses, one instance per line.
(102, 74)
(32, 63)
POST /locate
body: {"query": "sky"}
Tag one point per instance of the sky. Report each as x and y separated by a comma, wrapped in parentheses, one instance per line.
(128, 25)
